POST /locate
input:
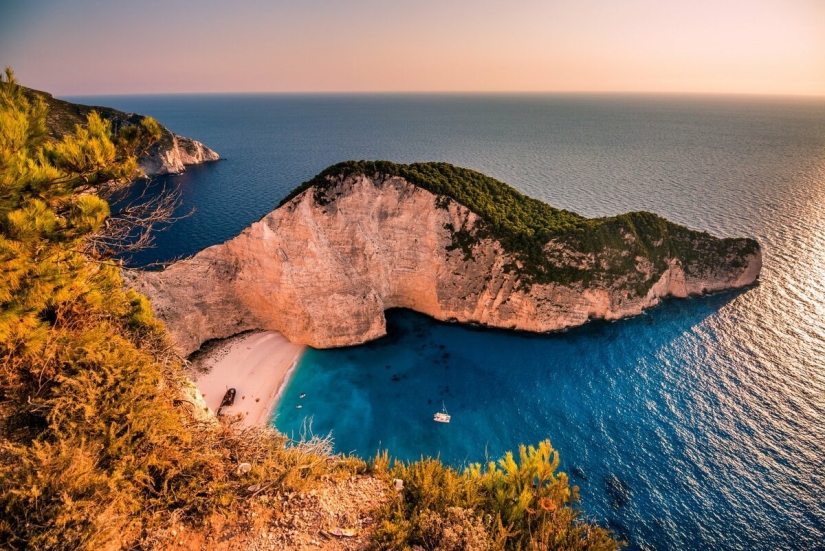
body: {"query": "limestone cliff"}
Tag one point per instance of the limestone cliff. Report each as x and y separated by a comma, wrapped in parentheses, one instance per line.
(173, 153)
(325, 265)
(170, 155)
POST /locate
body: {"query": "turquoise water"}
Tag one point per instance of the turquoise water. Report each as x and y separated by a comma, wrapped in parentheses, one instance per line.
(711, 411)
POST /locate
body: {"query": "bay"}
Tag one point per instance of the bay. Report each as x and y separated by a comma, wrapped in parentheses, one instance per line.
(711, 411)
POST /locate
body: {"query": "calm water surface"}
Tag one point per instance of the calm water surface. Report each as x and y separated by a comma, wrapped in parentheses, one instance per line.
(711, 411)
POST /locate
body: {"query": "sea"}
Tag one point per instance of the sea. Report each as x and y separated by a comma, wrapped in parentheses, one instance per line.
(698, 425)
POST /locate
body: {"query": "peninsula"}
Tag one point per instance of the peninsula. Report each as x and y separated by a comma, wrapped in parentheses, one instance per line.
(171, 154)
(363, 237)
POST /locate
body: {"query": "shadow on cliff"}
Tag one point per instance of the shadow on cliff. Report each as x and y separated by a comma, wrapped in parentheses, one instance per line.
(674, 315)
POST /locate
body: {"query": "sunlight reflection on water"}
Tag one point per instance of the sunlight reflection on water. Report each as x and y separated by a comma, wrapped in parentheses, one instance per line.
(710, 410)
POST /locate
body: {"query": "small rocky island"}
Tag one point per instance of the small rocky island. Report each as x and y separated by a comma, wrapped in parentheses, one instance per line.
(169, 155)
(363, 237)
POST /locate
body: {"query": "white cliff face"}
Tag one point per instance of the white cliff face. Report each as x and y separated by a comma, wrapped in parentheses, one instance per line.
(173, 158)
(323, 274)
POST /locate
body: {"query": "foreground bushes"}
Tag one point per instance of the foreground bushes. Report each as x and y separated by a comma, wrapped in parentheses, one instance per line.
(98, 444)
(510, 505)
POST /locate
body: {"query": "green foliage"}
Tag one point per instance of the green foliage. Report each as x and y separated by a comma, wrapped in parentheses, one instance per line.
(83, 421)
(513, 504)
(97, 444)
(507, 211)
(63, 118)
(610, 248)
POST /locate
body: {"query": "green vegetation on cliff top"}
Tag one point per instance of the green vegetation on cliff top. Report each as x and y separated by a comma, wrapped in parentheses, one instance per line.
(63, 116)
(506, 210)
(524, 226)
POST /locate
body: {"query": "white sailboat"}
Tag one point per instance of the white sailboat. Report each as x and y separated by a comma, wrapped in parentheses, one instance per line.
(442, 416)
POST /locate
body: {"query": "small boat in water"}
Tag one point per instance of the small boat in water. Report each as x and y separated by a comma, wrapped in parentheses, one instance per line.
(302, 395)
(442, 416)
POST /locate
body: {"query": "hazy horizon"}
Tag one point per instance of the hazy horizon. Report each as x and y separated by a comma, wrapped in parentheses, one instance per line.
(91, 47)
(453, 93)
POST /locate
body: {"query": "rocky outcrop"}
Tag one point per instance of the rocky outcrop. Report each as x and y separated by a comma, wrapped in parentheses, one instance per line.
(173, 153)
(170, 155)
(323, 269)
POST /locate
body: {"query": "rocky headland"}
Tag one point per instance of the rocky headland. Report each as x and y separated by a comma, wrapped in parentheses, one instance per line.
(169, 155)
(363, 237)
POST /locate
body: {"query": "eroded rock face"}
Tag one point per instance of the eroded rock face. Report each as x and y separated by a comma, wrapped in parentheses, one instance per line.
(173, 154)
(323, 273)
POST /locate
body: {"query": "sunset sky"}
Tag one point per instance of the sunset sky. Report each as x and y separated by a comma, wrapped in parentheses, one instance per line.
(166, 46)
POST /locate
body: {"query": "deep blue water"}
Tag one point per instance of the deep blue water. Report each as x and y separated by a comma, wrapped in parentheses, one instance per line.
(711, 411)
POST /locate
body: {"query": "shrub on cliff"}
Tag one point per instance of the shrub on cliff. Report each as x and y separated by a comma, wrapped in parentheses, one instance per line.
(516, 503)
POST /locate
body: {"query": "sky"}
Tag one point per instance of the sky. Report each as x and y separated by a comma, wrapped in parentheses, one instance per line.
(88, 47)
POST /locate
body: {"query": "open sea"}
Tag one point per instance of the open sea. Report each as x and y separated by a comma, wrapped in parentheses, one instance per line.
(699, 425)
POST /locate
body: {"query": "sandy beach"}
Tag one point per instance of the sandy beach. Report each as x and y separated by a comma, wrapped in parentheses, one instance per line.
(256, 365)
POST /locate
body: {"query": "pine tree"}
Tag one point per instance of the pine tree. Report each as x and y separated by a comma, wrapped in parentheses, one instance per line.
(81, 416)
(98, 444)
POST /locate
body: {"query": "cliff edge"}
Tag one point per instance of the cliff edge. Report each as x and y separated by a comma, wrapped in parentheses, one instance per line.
(363, 237)
(169, 155)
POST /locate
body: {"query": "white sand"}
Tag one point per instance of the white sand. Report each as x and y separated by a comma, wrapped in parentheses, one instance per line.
(256, 365)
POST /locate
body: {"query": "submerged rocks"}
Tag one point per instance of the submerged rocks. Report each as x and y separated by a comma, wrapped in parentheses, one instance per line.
(578, 472)
(618, 491)
(323, 268)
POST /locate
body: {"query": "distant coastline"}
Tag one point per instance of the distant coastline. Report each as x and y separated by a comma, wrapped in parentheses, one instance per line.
(171, 154)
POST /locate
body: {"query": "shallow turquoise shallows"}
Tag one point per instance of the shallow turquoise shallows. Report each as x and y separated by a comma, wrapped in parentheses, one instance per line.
(700, 425)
